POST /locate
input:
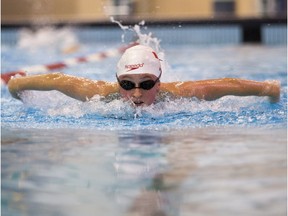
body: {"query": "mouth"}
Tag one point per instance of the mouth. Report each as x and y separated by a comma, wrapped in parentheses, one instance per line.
(138, 103)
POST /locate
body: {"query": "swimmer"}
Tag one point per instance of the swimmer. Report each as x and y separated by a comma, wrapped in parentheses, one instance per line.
(138, 81)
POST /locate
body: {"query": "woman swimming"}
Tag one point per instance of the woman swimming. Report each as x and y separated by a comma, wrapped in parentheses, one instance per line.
(138, 80)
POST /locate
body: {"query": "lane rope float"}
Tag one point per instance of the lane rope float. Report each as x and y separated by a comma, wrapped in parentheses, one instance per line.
(36, 69)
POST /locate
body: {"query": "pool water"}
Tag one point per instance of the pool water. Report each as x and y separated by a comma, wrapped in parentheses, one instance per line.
(178, 157)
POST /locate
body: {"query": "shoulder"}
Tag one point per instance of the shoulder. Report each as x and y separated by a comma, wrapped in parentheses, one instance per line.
(182, 89)
(102, 88)
(172, 87)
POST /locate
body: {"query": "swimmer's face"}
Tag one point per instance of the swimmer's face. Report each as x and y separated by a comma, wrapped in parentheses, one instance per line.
(144, 93)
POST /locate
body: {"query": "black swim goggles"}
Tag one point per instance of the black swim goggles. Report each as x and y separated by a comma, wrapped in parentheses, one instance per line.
(129, 85)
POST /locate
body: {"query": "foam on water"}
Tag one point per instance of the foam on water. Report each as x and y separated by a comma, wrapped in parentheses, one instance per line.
(53, 109)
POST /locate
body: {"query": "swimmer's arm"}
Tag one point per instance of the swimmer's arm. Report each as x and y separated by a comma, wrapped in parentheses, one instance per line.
(216, 88)
(79, 88)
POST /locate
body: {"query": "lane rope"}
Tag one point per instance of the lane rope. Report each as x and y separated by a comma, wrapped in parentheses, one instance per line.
(36, 69)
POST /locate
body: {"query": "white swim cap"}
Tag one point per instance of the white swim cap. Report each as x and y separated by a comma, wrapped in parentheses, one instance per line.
(139, 59)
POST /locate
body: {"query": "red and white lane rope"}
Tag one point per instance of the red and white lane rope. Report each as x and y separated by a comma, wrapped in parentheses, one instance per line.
(36, 69)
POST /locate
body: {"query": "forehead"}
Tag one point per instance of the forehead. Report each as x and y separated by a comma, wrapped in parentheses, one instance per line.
(137, 76)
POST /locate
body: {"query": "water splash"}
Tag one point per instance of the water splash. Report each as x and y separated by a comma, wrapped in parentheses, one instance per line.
(146, 39)
(58, 110)
(142, 38)
(48, 37)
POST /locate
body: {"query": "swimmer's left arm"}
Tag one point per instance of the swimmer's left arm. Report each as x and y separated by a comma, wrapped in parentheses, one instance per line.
(216, 88)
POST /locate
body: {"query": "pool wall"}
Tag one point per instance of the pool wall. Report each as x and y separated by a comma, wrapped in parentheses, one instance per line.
(268, 32)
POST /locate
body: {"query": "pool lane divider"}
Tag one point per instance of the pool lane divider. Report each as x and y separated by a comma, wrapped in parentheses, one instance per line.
(36, 69)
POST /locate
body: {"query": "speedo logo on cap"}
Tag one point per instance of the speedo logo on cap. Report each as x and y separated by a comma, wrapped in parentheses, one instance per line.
(133, 66)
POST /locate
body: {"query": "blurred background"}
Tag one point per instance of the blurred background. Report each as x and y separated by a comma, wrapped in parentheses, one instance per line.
(254, 21)
(99, 11)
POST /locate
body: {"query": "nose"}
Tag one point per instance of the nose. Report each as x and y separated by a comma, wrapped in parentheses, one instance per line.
(137, 93)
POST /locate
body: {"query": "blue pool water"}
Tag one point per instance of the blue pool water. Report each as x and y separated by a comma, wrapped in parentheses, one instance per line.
(64, 157)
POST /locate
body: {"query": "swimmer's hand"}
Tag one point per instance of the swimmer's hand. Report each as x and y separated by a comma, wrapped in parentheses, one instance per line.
(272, 90)
(38, 82)
(13, 87)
